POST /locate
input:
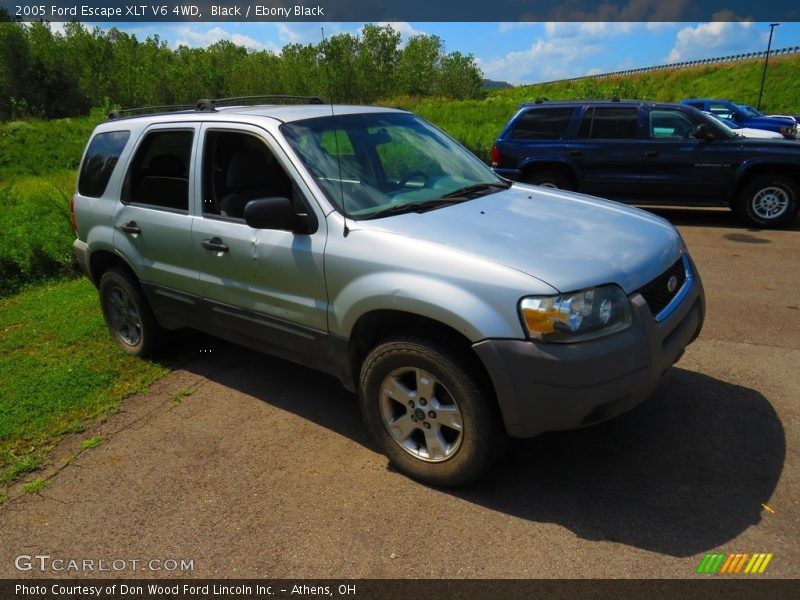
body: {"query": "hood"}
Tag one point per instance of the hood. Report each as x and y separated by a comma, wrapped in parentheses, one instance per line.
(758, 133)
(769, 122)
(567, 240)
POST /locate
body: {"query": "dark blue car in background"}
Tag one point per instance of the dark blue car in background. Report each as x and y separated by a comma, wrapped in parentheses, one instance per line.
(650, 153)
(786, 126)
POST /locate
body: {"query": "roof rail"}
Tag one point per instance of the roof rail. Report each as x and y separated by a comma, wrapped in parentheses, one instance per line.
(132, 112)
(204, 105)
(210, 104)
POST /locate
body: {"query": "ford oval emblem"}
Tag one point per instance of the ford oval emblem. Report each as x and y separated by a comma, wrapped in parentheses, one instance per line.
(672, 284)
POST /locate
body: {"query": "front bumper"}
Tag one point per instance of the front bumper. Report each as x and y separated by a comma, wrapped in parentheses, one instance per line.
(545, 387)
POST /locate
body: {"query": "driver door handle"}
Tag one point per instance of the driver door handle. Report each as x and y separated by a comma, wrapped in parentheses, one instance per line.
(130, 227)
(575, 153)
(651, 153)
(215, 244)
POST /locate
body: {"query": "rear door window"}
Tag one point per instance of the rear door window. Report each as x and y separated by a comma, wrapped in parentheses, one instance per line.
(542, 124)
(610, 123)
(159, 173)
(98, 164)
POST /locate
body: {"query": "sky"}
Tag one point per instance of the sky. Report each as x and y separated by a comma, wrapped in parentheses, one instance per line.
(516, 52)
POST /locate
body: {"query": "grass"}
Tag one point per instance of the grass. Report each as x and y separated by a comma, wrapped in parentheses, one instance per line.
(59, 369)
(181, 394)
(92, 442)
(35, 232)
(35, 486)
(38, 147)
(38, 165)
(19, 467)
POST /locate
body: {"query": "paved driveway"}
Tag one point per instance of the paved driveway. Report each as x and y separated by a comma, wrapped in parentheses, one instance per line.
(265, 469)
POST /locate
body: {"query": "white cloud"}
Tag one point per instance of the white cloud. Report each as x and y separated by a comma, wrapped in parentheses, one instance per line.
(558, 52)
(288, 35)
(716, 38)
(190, 36)
(403, 27)
(544, 60)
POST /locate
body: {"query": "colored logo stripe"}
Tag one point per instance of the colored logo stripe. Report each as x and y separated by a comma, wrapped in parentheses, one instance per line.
(719, 562)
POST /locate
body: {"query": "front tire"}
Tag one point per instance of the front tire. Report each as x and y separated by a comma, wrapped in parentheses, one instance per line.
(127, 313)
(429, 413)
(768, 202)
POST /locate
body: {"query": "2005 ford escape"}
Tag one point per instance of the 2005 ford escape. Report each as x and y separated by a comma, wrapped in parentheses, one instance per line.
(364, 242)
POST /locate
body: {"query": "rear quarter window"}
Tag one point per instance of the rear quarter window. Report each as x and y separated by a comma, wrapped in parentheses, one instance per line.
(98, 164)
(542, 124)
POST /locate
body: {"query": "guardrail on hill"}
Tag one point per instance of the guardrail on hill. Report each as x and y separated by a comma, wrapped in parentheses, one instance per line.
(684, 65)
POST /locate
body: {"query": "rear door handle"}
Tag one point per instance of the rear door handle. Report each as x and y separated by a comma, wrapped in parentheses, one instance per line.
(131, 227)
(575, 153)
(215, 244)
(651, 153)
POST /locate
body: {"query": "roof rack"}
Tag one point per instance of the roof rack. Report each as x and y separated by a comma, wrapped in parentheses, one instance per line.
(210, 104)
(132, 112)
(204, 105)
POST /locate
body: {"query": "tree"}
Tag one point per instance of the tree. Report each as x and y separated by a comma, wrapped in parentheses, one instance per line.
(459, 77)
(418, 65)
(378, 56)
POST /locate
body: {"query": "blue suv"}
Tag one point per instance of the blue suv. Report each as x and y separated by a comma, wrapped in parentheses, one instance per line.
(650, 153)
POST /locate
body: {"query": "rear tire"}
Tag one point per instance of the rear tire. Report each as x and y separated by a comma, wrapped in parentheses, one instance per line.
(551, 179)
(127, 313)
(768, 202)
(429, 413)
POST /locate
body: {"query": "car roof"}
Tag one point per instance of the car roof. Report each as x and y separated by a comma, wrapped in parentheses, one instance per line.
(253, 113)
(600, 102)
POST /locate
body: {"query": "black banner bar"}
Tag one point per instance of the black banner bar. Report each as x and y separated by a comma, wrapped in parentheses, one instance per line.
(393, 589)
(400, 10)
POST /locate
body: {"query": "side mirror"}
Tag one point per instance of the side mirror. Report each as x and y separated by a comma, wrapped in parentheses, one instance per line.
(271, 213)
(703, 132)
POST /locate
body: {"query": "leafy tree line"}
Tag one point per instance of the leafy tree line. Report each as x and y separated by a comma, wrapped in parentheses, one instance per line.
(52, 75)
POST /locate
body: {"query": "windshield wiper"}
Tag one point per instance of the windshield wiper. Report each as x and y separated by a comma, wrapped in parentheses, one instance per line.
(477, 188)
(417, 207)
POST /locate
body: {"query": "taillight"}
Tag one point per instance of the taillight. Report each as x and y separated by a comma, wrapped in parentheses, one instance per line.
(495, 156)
(73, 221)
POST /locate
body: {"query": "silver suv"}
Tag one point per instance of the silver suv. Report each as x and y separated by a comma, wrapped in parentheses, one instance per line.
(366, 243)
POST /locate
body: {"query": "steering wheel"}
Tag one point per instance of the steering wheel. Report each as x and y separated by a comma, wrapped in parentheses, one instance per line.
(413, 175)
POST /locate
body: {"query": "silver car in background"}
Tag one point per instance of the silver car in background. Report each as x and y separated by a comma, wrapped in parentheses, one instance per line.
(366, 243)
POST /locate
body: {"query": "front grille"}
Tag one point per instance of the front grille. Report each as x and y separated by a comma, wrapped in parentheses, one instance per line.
(657, 294)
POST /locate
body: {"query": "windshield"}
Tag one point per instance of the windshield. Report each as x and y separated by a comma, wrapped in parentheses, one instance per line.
(387, 162)
(750, 111)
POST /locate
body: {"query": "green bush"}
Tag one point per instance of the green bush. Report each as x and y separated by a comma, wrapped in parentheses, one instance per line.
(35, 232)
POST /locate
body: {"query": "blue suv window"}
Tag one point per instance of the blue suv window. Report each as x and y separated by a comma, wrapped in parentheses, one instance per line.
(609, 123)
(542, 124)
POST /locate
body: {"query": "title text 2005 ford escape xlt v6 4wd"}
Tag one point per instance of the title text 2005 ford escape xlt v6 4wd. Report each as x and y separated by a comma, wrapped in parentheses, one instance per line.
(364, 242)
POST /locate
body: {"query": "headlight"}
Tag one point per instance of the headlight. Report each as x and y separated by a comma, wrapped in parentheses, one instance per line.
(576, 316)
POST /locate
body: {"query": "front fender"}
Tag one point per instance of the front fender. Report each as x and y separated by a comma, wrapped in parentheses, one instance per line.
(425, 296)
